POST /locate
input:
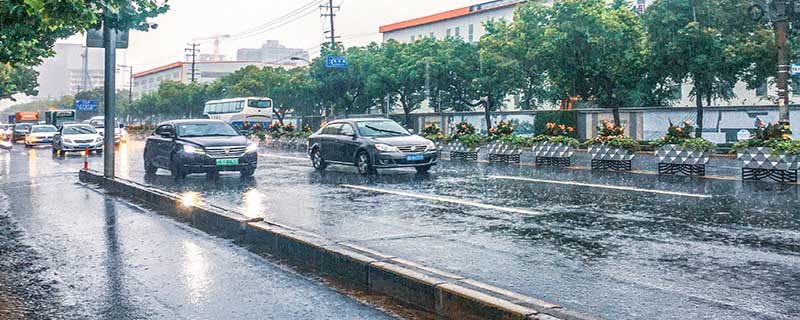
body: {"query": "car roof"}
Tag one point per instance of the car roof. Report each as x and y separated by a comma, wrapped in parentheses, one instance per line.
(77, 125)
(352, 120)
(43, 125)
(192, 121)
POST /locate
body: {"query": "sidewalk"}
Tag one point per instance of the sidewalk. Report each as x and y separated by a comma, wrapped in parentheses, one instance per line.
(108, 259)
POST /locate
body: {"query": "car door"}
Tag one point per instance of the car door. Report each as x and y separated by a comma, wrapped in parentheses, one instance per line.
(160, 145)
(346, 143)
(328, 141)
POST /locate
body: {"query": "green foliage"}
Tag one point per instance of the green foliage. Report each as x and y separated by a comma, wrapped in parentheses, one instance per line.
(30, 28)
(560, 139)
(471, 140)
(516, 140)
(555, 130)
(439, 137)
(698, 144)
(613, 136)
(624, 143)
(568, 118)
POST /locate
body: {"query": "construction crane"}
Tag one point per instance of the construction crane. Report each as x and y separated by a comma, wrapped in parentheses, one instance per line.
(216, 41)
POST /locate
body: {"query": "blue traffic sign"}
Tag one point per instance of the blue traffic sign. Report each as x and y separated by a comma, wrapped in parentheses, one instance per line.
(795, 71)
(336, 62)
(86, 105)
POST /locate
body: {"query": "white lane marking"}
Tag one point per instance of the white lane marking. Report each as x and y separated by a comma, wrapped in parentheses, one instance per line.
(283, 157)
(443, 199)
(604, 186)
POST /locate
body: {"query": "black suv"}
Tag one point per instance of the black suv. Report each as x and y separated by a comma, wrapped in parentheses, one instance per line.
(199, 146)
(370, 144)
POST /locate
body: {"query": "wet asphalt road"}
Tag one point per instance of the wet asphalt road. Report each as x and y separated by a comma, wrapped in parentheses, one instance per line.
(656, 248)
(70, 252)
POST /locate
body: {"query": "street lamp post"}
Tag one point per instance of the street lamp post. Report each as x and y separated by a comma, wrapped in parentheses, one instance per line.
(300, 59)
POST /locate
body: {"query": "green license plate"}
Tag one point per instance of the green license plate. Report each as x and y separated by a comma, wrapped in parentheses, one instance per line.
(227, 162)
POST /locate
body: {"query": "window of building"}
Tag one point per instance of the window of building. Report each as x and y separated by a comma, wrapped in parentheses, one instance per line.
(420, 37)
(448, 32)
(471, 33)
(432, 36)
(458, 32)
(761, 91)
(413, 38)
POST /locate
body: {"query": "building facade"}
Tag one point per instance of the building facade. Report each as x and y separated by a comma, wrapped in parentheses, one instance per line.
(72, 69)
(273, 52)
(204, 72)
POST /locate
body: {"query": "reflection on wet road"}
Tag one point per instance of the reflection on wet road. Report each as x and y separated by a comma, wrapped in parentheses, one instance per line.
(616, 245)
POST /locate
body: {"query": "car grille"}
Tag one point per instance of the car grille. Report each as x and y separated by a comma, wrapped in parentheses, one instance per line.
(225, 152)
(84, 141)
(412, 148)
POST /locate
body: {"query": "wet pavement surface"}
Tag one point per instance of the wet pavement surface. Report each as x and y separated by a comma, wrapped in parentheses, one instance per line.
(70, 252)
(613, 245)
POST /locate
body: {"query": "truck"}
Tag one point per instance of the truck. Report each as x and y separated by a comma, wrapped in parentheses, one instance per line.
(58, 118)
(26, 117)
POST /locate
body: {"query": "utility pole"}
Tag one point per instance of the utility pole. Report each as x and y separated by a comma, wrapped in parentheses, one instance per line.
(130, 82)
(192, 52)
(780, 18)
(110, 46)
(330, 14)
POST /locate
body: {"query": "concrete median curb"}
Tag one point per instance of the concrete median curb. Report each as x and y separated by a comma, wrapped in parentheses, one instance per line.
(444, 294)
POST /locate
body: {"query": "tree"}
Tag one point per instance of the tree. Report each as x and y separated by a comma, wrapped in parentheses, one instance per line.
(401, 74)
(712, 43)
(29, 28)
(593, 51)
(344, 89)
(17, 79)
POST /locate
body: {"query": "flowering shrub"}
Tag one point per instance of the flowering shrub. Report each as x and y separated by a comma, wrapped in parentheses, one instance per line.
(683, 136)
(502, 129)
(614, 136)
(307, 128)
(776, 136)
(471, 140)
(464, 128)
(431, 129)
(557, 134)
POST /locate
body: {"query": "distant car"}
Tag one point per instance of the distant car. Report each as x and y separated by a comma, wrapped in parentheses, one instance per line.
(77, 137)
(21, 131)
(199, 146)
(99, 124)
(40, 135)
(370, 144)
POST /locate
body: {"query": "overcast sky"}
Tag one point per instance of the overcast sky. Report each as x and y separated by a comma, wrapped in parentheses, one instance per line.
(357, 21)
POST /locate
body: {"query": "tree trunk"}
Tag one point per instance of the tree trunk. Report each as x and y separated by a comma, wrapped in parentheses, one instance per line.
(615, 113)
(487, 108)
(699, 103)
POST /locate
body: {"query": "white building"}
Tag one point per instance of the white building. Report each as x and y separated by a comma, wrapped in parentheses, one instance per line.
(205, 71)
(273, 52)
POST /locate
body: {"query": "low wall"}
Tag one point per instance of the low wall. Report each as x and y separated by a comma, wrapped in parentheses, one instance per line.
(444, 294)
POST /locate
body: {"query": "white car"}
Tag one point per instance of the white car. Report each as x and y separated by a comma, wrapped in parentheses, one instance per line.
(99, 124)
(77, 137)
(40, 135)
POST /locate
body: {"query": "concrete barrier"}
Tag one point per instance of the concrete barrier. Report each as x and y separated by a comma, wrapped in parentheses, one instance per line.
(441, 293)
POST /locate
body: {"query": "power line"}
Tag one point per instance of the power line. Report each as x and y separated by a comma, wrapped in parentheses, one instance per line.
(271, 25)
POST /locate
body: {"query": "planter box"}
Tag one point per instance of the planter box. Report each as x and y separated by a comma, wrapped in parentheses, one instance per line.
(501, 152)
(459, 152)
(675, 159)
(611, 158)
(764, 163)
(553, 154)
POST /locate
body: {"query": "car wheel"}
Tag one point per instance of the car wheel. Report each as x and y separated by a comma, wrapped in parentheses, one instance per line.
(423, 169)
(149, 168)
(177, 173)
(246, 173)
(317, 161)
(363, 164)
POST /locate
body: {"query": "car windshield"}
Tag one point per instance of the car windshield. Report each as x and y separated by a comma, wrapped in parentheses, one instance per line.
(43, 129)
(213, 129)
(380, 128)
(79, 130)
(22, 127)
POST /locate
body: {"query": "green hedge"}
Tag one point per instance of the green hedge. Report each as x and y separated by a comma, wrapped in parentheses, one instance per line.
(565, 117)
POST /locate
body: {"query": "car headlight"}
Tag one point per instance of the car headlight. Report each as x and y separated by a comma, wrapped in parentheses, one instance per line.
(192, 149)
(98, 139)
(431, 146)
(386, 148)
(253, 147)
